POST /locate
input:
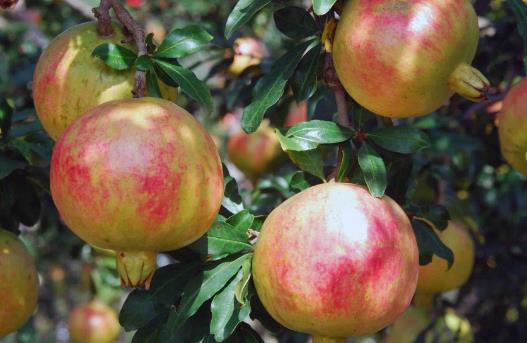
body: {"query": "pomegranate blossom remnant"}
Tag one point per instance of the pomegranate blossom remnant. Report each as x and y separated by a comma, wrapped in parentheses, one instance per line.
(418, 59)
(137, 176)
(334, 261)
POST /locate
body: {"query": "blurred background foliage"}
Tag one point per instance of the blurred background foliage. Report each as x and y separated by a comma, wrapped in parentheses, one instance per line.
(463, 169)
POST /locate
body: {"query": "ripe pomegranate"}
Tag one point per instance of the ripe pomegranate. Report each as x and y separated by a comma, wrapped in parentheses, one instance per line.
(297, 114)
(256, 153)
(334, 261)
(248, 52)
(408, 327)
(18, 283)
(435, 277)
(511, 125)
(137, 176)
(406, 58)
(68, 80)
(93, 322)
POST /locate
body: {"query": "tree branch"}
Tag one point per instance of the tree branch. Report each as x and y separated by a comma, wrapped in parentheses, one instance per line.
(105, 29)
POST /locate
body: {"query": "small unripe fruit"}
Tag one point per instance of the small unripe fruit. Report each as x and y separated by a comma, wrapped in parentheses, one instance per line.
(512, 125)
(334, 261)
(248, 52)
(93, 322)
(18, 283)
(435, 277)
(406, 58)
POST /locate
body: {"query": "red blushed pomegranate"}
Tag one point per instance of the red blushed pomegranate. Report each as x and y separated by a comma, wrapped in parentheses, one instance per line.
(93, 322)
(297, 114)
(512, 124)
(18, 283)
(69, 81)
(256, 153)
(334, 261)
(137, 176)
(406, 58)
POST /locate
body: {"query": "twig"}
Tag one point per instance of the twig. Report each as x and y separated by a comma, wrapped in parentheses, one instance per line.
(102, 13)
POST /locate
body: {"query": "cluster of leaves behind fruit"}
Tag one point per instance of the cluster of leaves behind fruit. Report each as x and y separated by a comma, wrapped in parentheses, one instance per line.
(217, 290)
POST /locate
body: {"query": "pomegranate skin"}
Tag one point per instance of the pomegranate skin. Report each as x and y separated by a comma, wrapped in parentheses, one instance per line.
(137, 175)
(69, 81)
(18, 283)
(407, 58)
(435, 277)
(512, 123)
(333, 261)
(93, 322)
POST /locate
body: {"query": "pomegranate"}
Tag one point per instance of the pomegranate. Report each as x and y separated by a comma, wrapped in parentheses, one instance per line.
(408, 327)
(18, 283)
(511, 125)
(406, 58)
(137, 176)
(248, 52)
(435, 277)
(256, 153)
(93, 322)
(334, 261)
(68, 80)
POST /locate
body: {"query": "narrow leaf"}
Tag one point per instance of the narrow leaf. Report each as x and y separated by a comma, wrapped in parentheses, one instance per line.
(222, 309)
(242, 12)
(115, 56)
(305, 79)
(401, 139)
(322, 7)
(182, 42)
(373, 169)
(320, 132)
(429, 244)
(295, 22)
(309, 161)
(6, 116)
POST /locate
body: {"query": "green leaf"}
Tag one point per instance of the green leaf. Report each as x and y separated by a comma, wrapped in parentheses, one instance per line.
(320, 132)
(7, 166)
(152, 85)
(298, 181)
(182, 42)
(246, 334)
(295, 22)
(188, 82)
(226, 312)
(305, 79)
(242, 289)
(242, 12)
(293, 144)
(221, 240)
(24, 129)
(115, 56)
(401, 139)
(144, 63)
(429, 244)
(200, 289)
(345, 164)
(270, 88)
(519, 9)
(232, 200)
(143, 306)
(309, 161)
(241, 221)
(6, 115)
(438, 215)
(322, 7)
(373, 169)
(150, 44)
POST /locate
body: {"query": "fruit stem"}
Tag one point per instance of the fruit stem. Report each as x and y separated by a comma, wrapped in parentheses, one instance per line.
(102, 13)
(322, 339)
(425, 301)
(470, 83)
(136, 268)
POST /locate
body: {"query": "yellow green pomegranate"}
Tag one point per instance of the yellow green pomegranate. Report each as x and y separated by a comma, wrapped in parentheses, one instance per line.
(69, 81)
(18, 283)
(435, 277)
(407, 57)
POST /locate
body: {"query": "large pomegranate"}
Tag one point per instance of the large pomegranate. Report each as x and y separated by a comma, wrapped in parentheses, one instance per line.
(334, 261)
(18, 283)
(435, 277)
(93, 322)
(512, 123)
(68, 80)
(256, 153)
(407, 57)
(137, 176)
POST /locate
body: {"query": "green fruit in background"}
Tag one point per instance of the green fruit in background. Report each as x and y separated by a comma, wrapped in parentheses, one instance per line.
(18, 283)
(408, 327)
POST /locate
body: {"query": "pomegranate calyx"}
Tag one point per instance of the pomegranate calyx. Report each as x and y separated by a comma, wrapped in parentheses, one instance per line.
(136, 268)
(470, 83)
